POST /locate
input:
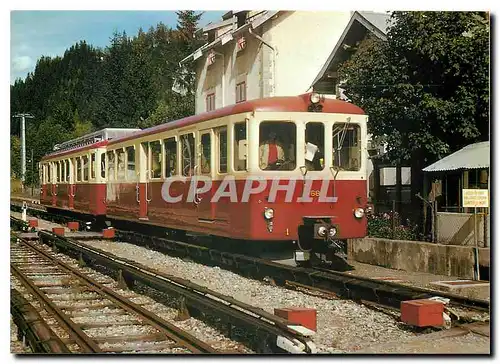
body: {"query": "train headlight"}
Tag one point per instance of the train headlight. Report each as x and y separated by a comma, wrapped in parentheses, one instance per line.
(315, 98)
(359, 213)
(332, 232)
(322, 231)
(268, 213)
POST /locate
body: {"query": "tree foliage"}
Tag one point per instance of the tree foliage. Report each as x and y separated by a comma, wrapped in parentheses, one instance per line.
(426, 88)
(126, 84)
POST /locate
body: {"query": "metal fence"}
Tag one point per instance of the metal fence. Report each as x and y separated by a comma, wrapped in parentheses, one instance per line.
(400, 220)
(426, 221)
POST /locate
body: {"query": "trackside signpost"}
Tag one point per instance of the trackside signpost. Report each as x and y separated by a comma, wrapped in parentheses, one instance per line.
(475, 198)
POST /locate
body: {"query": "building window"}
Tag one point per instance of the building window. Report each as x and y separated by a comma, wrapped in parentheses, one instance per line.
(241, 92)
(210, 102)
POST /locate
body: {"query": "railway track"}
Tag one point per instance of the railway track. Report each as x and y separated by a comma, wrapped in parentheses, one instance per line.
(388, 294)
(271, 333)
(97, 319)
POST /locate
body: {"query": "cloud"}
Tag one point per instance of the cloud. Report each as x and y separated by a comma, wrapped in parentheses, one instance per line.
(22, 63)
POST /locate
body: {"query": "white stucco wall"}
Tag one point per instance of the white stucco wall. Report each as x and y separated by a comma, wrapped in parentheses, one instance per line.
(239, 66)
(304, 40)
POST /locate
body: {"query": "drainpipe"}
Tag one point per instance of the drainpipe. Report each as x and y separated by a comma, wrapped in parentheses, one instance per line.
(223, 77)
(274, 57)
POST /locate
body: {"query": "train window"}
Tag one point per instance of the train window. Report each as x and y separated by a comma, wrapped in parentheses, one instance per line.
(240, 147)
(155, 159)
(58, 172)
(78, 169)
(206, 153)
(111, 165)
(85, 167)
(103, 165)
(67, 170)
(63, 171)
(187, 145)
(92, 165)
(277, 145)
(120, 160)
(49, 173)
(130, 163)
(314, 154)
(170, 157)
(347, 146)
(222, 147)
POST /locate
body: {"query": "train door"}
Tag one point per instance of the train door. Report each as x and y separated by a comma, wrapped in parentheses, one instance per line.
(205, 162)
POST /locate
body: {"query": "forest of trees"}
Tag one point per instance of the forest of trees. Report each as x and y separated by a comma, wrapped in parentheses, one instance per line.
(126, 84)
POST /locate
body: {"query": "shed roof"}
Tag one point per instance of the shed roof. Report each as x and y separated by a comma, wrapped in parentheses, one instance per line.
(472, 156)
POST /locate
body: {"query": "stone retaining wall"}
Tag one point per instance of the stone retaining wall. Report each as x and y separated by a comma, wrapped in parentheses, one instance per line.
(414, 256)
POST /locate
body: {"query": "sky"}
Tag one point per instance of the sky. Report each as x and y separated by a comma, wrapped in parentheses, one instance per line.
(50, 33)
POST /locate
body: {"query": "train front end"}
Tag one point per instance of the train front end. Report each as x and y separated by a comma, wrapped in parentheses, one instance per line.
(314, 164)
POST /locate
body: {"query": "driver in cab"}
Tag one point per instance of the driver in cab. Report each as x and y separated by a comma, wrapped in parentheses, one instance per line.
(271, 152)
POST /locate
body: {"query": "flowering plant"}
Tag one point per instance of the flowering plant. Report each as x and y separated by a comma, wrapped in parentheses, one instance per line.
(388, 225)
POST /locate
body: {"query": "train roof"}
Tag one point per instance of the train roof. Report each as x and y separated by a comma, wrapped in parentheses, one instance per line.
(272, 104)
(92, 140)
(61, 153)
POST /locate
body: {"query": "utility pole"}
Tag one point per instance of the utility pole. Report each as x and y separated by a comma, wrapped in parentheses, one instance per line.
(32, 177)
(23, 117)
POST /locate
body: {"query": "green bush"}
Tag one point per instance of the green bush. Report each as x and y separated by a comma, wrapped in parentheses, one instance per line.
(381, 226)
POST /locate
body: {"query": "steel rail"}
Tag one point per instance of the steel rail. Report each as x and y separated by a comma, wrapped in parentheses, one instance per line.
(342, 284)
(179, 336)
(83, 340)
(228, 309)
(40, 337)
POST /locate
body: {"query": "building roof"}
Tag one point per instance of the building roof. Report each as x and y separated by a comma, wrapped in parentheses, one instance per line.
(255, 22)
(359, 24)
(472, 156)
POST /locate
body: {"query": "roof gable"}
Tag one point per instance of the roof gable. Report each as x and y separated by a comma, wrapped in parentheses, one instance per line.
(376, 23)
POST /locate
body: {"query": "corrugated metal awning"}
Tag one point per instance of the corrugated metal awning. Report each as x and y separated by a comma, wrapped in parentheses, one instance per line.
(472, 156)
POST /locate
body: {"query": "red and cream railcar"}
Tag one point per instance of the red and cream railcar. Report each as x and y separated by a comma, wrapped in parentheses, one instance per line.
(315, 148)
(73, 180)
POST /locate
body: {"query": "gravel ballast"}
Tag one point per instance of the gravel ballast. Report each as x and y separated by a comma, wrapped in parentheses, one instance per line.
(78, 304)
(342, 326)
